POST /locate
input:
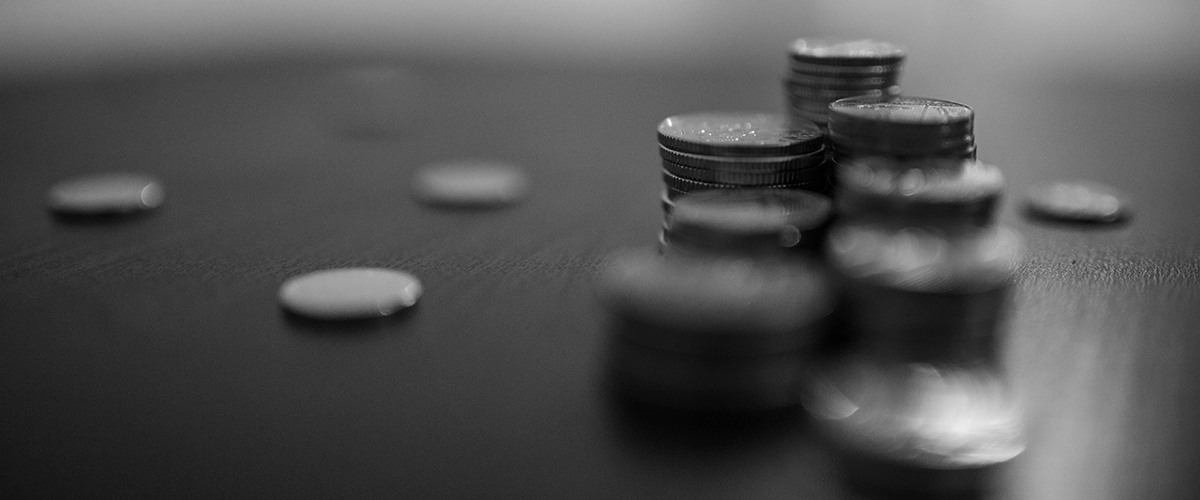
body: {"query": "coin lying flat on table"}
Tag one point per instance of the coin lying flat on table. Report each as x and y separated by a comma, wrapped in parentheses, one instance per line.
(1079, 201)
(470, 183)
(105, 194)
(350, 293)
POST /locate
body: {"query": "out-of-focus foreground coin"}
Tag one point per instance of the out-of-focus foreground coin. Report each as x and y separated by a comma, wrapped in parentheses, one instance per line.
(350, 293)
(114, 193)
(470, 183)
(1078, 201)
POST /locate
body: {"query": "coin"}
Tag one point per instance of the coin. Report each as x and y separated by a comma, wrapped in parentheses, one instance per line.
(809, 68)
(1077, 201)
(859, 114)
(921, 192)
(739, 134)
(800, 94)
(102, 194)
(745, 164)
(844, 52)
(923, 259)
(796, 80)
(780, 177)
(691, 186)
(470, 183)
(714, 296)
(349, 293)
(751, 220)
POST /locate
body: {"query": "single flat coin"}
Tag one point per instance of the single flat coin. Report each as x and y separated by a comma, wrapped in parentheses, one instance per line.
(809, 68)
(747, 164)
(842, 52)
(470, 183)
(104, 194)
(350, 293)
(1078, 201)
(739, 134)
(891, 111)
(748, 178)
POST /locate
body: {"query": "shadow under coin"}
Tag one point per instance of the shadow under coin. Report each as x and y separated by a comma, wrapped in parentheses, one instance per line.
(303, 325)
(69, 219)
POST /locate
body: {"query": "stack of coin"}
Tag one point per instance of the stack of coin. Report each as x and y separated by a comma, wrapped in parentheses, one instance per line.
(749, 222)
(926, 275)
(900, 127)
(822, 71)
(709, 151)
(713, 333)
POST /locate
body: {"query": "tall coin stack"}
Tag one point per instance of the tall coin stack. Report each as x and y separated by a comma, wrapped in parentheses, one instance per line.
(823, 71)
(727, 318)
(730, 150)
(918, 406)
(900, 127)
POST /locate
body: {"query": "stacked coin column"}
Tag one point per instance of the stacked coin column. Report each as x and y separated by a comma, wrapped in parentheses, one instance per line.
(728, 318)
(823, 71)
(901, 128)
(918, 405)
(731, 150)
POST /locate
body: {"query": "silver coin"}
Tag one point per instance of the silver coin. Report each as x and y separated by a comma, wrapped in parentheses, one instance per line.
(470, 183)
(738, 134)
(1078, 201)
(350, 293)
(113, 193)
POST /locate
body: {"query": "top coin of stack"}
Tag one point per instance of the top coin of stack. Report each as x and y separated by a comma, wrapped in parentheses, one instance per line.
(900, 127)
(824, 70)
(731, 150)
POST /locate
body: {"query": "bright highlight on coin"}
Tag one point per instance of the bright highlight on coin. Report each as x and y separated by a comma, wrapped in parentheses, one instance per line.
(350, 293)
(470, 183)
(105, 194)
(1078, 201)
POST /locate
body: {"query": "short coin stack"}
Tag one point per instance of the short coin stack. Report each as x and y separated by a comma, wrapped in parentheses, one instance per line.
(823, 71)
(712, 333)
(707, 151)
(900, 127)
(926, 274)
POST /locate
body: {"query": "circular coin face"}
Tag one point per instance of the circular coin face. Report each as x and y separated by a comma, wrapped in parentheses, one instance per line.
(1078, 201)
(116, 193)
(739, 134)
(843, 52)
(470, 183)
(351, 293)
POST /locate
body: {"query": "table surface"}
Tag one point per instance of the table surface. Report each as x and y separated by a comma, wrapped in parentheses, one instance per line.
(149, 357)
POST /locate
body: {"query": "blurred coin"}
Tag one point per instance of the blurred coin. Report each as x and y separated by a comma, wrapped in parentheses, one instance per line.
(749, 219)
(371, 101)
(844, 52)
(350, 293)
(1077, 201)
(921, 192)
(470, 183)
(916, 430)
(104, 194)
(738, 134)
(714, 295)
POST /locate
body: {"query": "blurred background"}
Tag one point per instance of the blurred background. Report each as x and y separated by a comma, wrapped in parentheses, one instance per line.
(949, 40)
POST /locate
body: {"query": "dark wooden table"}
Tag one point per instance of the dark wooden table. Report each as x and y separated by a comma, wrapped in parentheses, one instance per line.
(149, 358)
